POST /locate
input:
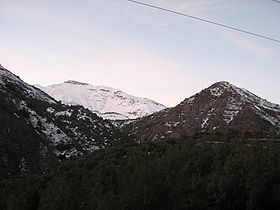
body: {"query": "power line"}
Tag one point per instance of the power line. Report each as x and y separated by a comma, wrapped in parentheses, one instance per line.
(276, 1)
(205, 20)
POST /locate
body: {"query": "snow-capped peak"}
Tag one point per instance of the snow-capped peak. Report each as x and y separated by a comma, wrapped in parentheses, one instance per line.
(108, 102)
(246, 96)
(239, 97)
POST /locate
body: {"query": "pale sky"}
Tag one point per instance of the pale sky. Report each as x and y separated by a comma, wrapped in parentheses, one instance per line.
(143, 51)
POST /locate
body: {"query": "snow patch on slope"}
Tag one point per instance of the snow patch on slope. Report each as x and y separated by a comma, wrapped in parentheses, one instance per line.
(232, 109)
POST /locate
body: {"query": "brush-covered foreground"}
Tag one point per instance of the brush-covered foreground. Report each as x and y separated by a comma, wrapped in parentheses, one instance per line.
(173, 174)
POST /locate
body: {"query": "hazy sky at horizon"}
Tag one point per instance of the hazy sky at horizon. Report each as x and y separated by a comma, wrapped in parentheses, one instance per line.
(143, 51)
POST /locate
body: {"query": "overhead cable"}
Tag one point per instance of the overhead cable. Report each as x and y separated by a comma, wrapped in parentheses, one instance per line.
(205, 20)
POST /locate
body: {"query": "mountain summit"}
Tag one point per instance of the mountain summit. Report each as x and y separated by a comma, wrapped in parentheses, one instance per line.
(222, 108)
(107, 102)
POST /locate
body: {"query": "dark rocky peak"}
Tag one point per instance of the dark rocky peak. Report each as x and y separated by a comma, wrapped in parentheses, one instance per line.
(223, 87)
(73, 82)
(228, 92)
(222, 107)
(7, 75)
(12, 84)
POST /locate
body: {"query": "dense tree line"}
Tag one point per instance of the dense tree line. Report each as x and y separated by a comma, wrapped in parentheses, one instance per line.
(174, 174)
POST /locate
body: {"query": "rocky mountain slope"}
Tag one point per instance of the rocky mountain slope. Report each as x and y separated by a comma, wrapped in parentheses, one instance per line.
(37, 132)
(107, 102)
(221, 107)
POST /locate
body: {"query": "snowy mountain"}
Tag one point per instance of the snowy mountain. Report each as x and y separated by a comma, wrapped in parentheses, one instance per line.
(37, 132)
(107, 102)
(221, 108)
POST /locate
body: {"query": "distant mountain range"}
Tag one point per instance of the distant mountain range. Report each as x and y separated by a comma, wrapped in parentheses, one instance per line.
(107, 102)
(37, 131)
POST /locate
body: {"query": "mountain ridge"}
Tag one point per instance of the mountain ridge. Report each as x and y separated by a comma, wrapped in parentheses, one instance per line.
(37, 132)
(222, 107)
(107, 102)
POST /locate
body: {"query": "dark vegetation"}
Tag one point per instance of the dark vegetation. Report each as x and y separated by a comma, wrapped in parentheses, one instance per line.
(27, 146)
(189, 173)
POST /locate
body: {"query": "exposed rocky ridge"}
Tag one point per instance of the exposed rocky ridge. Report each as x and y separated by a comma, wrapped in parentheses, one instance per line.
(37, 132)
(107, 102)
(222, 108)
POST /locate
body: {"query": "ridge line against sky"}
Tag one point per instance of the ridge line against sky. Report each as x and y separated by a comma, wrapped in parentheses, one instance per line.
(140, 51)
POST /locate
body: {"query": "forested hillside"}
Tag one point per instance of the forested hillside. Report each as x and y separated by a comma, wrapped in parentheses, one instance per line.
(173, 174)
